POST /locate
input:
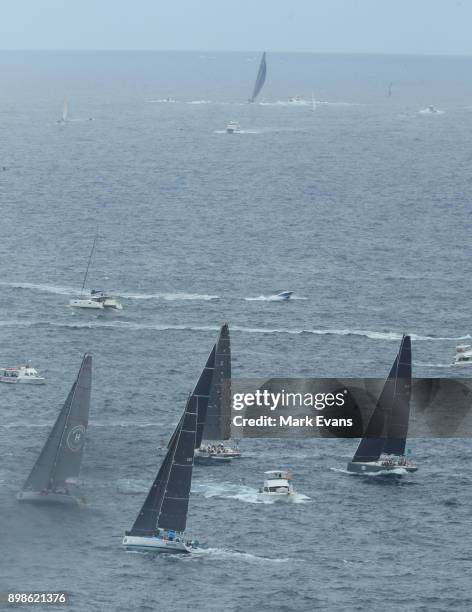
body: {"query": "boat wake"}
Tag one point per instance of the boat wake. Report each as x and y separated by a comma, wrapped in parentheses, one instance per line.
(398, 471)
(273, 298)
(59, 290)
(242, 493)
(221, 553)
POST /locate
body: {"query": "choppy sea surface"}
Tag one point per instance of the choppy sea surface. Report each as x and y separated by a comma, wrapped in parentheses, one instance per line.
(362, 208)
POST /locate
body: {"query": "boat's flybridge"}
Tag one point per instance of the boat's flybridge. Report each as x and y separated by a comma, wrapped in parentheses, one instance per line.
(384, 443)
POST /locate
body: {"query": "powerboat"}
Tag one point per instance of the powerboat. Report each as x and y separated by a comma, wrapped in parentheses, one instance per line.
(431, 110)
(285, 295)
(277, 484)
(21, 374)
(215, 453)
(233, 127)
(463, 355)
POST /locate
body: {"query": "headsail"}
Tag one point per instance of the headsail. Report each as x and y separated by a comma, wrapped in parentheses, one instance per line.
(399, 415)
(388, 426)
(260, 79)
(166, 504)
(218, 415)
(59, 461)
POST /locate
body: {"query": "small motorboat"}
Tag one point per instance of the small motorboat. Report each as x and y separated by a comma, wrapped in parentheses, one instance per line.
(233, 127)
(285, 295)
(431, 110)
(463, 355)
(277, 484)
(21, 374)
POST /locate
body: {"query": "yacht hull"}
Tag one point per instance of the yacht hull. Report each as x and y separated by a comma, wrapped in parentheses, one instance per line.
(23, 381)
(155, 545)
(374, 467)
(211, 459)
(36, 497)
(86, 304)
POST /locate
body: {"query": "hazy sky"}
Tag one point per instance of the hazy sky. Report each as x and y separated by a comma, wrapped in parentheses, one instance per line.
(357, 26)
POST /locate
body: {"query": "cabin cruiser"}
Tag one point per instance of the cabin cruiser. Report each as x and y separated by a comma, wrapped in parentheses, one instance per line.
(463, 355)
(385, 463)
(215, 453)
(233, 127)
(21, 374)
(96, 299)
(277, 484)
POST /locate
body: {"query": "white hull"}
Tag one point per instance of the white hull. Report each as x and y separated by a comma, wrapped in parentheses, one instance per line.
(23, 381)
(47, 498)
(155, 545)
(282, 495)
(86, 304)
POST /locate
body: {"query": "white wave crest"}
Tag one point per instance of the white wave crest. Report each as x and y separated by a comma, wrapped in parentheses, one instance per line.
(243, 493)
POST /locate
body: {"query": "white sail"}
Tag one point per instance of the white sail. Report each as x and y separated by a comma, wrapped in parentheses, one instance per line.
(65, 110)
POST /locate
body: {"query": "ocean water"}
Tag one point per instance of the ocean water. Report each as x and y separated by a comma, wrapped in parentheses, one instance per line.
(362, 208)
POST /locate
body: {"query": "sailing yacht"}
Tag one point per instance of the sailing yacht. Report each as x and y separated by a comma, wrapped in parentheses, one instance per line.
(65, 112)
(56, 470)
(214, 419)
(260, 79)
(161, 522)
(383, 446)
(95, 299)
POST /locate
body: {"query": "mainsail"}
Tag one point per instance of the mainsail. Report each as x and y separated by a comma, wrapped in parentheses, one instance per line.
(387, 429)
(59, 462)
(166, 504)
(260, 80)
(218, 414)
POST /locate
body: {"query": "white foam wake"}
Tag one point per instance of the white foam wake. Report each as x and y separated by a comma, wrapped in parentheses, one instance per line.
(273, 298)
(243, 493)
(221, 553)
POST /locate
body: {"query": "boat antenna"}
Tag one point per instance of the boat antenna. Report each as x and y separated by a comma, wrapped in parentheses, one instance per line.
(90, 259)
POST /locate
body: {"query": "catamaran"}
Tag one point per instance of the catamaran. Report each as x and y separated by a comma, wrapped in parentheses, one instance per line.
(25, 374)
(160, 525)
(54, 475)
(214, 420)
(260, 79)
(383, 446)
(95, 299)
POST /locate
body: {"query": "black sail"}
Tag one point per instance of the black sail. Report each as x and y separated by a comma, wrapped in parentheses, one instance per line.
(260, 80)
(173, 512)
(218, 415)
(59, 461)
(380, 427)
(399, 415)
(166, 504)
(201, 393)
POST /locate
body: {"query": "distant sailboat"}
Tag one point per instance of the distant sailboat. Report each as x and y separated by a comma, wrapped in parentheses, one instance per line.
(65, 112)
(214, 423)
(58, 465)
(160, 525)
(96, 299)
(260, 79)
(383, 446)
(390, 89)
